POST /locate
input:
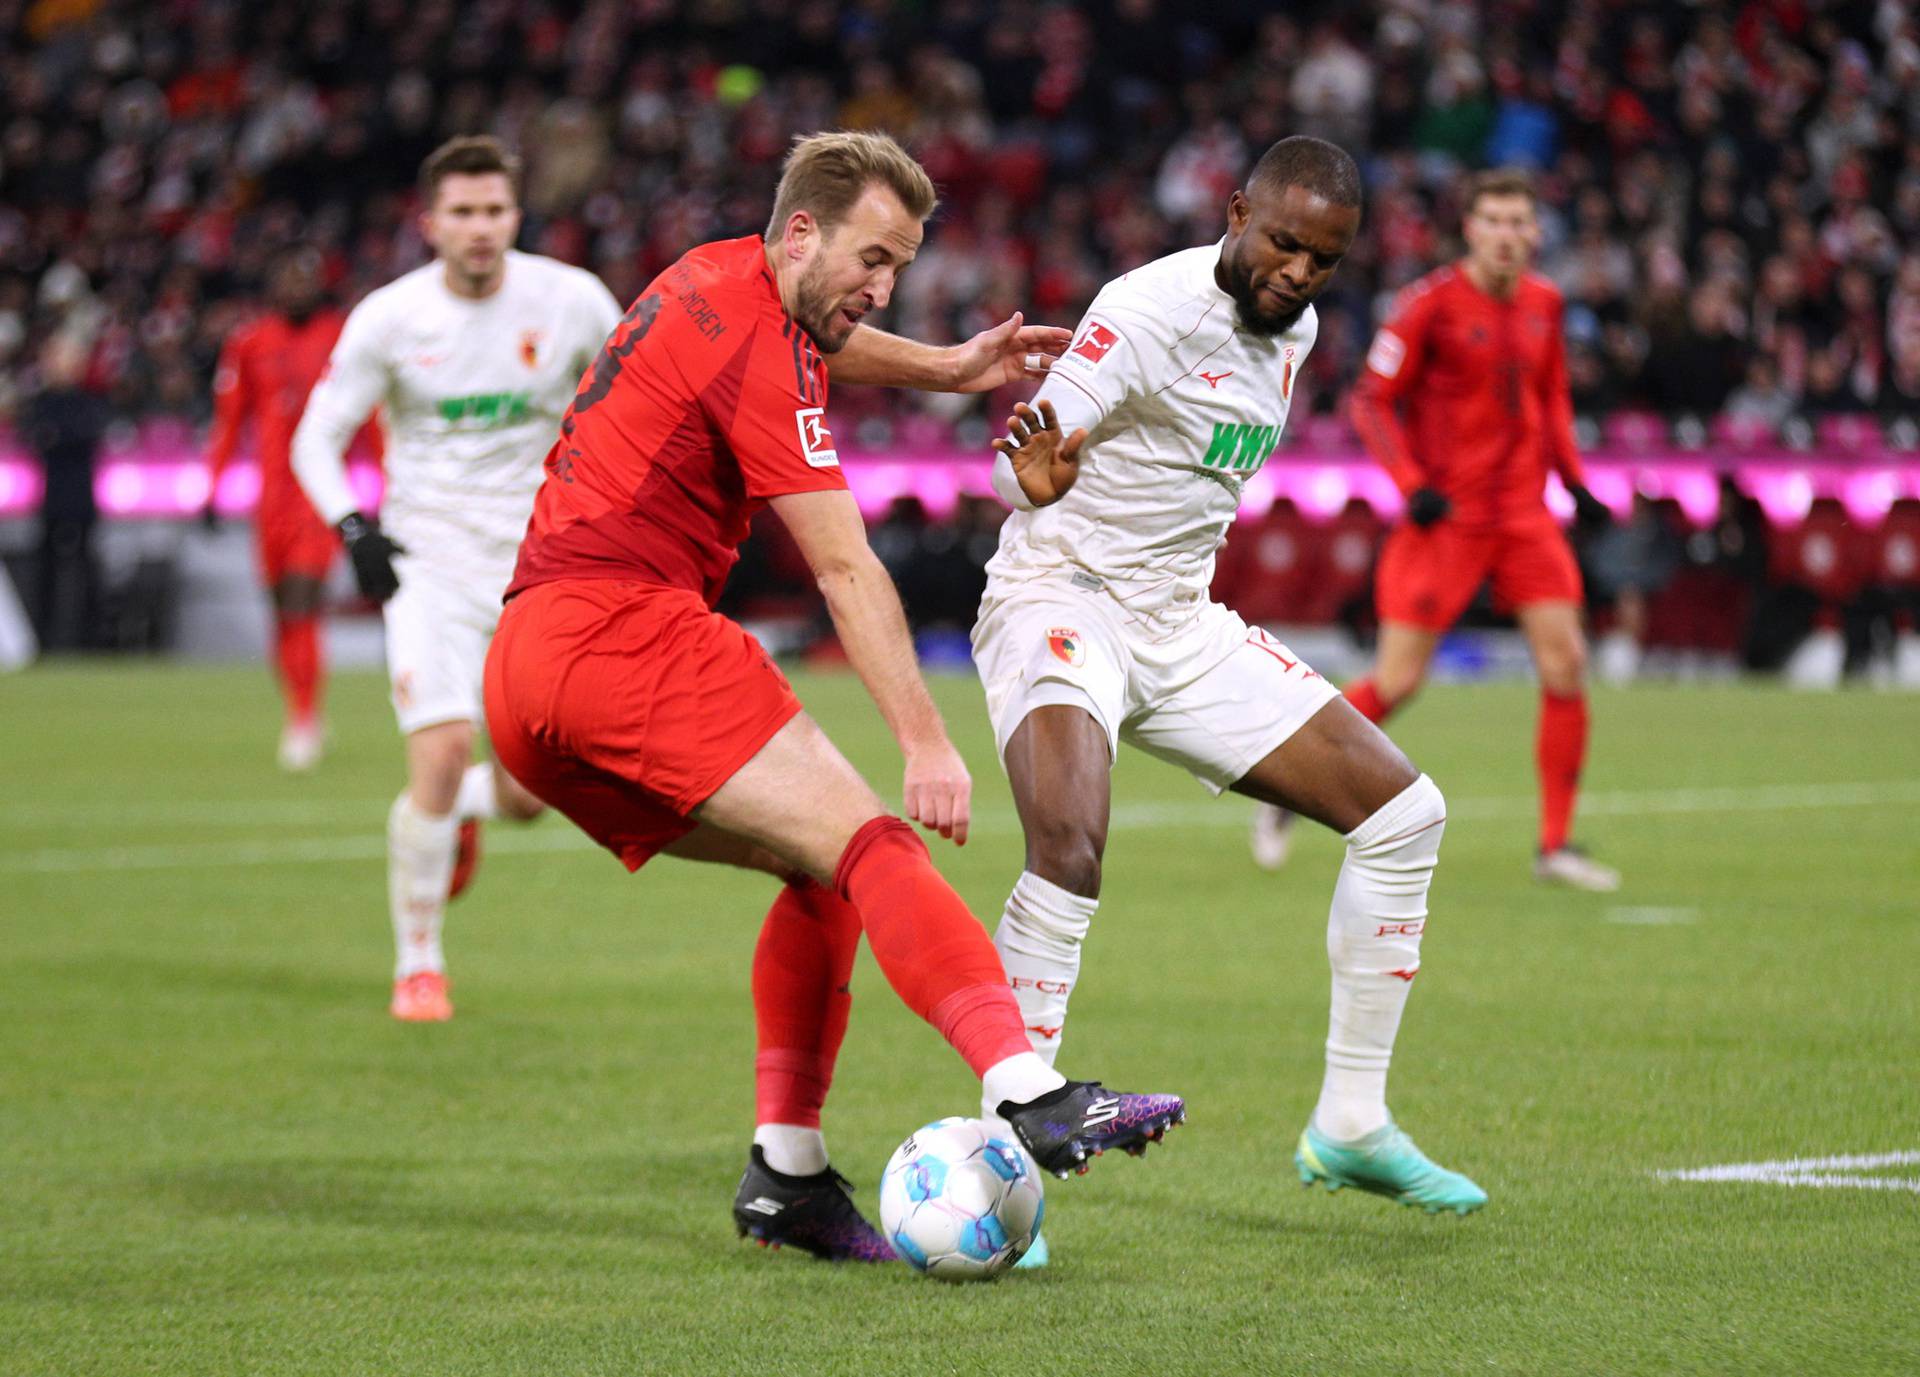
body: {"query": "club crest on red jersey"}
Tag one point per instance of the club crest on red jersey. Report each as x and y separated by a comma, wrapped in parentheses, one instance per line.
(530, 347)
(1096, 342)
(1067, 645)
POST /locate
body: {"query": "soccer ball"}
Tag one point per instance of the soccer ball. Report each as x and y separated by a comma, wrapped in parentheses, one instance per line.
(959, 1202)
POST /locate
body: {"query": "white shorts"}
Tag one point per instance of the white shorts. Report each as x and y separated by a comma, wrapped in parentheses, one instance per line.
(438, 628)
(1214, 697)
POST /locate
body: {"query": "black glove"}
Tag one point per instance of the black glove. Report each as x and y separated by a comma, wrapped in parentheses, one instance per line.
(1427, 505)
(209, 517)
(372, 554)
(1588, 510)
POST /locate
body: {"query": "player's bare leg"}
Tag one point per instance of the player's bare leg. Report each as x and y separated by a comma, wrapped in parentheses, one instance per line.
(931, 950)
(297, 600)
(1401, 660)
(1341, 770)
(1558, 645)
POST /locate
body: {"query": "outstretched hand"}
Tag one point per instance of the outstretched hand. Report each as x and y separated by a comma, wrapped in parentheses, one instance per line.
(1010, 352)
(1045, 463)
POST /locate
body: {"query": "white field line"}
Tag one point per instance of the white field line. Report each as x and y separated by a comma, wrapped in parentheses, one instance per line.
(1652, 917)
(993, 821)
(1820, 1173)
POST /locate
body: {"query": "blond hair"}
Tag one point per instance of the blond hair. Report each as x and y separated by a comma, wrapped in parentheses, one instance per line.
(826, 173)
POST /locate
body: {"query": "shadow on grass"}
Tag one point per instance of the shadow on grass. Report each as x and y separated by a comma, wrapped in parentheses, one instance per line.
(167, 976)
(624, 1199)
(1355, 1230)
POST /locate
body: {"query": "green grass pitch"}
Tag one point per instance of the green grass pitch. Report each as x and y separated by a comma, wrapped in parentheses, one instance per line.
(218, 1155)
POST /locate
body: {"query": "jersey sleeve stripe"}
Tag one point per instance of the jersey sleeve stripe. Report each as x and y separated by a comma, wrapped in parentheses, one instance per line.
(815, 367)
(1069, 378)
(799, 369)
(1204, 316)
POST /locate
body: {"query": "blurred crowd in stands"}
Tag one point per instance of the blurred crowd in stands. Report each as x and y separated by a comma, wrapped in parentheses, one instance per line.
(1731, 187)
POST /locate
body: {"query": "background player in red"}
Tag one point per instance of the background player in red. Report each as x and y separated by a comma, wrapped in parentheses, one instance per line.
(1464, 401)
(266, 370)
(615, 693)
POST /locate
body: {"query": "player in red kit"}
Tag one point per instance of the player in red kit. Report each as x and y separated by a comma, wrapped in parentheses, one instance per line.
(615, 693)
(266, 370)
(1464, 401)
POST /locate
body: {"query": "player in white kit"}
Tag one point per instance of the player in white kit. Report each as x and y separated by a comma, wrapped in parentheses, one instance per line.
(1097, 628)
(471, 360)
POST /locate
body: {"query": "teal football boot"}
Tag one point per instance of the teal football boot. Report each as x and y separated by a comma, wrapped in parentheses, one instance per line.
(1385, 1162)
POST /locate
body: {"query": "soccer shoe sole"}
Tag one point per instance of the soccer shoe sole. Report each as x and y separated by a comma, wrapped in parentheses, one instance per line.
(762, 1238)
(1154, 1131)
(1312, 1169)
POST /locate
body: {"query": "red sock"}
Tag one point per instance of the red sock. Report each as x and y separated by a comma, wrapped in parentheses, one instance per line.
(1367, 701)
(296, 648)
(800, 1001)
(1560, 750)
(933, 952)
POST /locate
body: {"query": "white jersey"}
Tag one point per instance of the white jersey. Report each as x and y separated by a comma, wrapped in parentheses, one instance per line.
(470, 394)
(1181, 405)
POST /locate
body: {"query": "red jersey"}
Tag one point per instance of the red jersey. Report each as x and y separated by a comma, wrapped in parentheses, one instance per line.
(707, 400)
(266, 370)
(1483, 385)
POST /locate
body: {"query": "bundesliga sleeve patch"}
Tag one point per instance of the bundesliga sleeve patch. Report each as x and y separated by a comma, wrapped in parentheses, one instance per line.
(816, 441)
(1095, 342)
(1388, 353)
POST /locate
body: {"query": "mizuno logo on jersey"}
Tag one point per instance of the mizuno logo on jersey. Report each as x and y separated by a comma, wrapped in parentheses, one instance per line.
(1241, 449)
(1102, 1112)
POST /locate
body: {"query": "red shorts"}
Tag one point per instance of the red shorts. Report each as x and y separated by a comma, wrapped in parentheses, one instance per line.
(626, 705)
(292, 540)
(1428, 577)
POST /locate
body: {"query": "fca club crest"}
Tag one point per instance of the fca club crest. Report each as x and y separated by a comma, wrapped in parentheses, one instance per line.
(530, 347)
(1066, 645)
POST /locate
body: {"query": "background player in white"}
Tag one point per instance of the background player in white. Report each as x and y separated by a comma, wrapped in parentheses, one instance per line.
(1096, 627)
(472, 361)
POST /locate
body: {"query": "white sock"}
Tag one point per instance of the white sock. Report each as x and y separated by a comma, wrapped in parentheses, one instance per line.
(477, 797)
(419, 866)
(1039, 940)
(792, 1150)
(1021, 1077)
(1373, 944)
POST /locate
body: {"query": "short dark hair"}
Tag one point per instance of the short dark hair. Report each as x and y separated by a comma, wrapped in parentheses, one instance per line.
(1500, 181)
(469, 155)
(1327, 170)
